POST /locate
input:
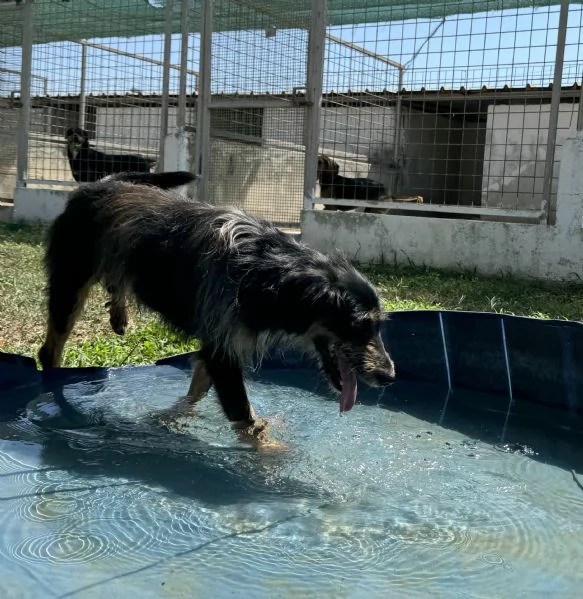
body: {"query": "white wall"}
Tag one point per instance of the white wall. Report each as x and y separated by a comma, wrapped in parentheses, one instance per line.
(33, 205)
(492, 248)
(516, 150)
(136, 127)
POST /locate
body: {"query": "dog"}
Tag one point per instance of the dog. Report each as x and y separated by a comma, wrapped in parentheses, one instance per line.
(231, 280)
(89, 165)
(334, 186)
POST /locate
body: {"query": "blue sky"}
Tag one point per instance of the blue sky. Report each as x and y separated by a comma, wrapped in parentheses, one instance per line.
(497, 48)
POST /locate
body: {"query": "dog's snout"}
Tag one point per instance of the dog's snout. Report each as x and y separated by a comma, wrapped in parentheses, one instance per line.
(385, 377)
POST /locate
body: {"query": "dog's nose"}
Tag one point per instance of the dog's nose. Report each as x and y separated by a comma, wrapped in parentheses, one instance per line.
(385, 377)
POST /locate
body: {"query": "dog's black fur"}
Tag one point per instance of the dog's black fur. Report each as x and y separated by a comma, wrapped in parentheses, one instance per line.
(89, 165)
(233, 281)
(334, 186)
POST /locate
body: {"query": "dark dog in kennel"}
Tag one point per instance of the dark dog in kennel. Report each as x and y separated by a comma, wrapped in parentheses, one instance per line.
(89, 165)
(334, 186)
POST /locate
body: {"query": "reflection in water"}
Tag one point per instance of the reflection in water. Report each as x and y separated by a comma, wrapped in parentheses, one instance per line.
(363, 505)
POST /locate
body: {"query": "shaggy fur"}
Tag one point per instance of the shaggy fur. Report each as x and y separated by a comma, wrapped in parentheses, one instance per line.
(334, 186)
(89, 165)
(231, 280)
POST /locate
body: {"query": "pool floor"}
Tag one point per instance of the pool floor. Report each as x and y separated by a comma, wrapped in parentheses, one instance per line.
(379, 502)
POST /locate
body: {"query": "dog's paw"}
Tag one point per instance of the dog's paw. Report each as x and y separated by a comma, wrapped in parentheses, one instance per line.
(118, 319)
(255, 433)
(182, 409)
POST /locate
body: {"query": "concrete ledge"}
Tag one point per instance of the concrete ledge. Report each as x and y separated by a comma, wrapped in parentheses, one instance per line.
(535, 251)
(38, 205)
(6, 210)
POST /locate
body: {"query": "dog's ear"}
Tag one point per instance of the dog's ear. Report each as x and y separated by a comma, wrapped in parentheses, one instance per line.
(69, 132)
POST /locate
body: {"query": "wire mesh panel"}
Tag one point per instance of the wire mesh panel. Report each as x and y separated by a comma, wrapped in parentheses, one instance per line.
(361, 124)
(10, 67)
(257, 156)
(461, 119)
(420, 103)
(100, 99)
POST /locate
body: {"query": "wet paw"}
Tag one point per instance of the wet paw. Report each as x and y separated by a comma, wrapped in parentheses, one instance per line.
(182, 409)
(255, 433)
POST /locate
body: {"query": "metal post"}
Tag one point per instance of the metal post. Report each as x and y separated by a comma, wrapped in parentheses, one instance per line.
(315, 76)
(82, 92)
(168, 15)
(580, 112)
(181, 117)
(398, 118)
(202, 139)
(25, 78)
(549, 204)
(134, 55)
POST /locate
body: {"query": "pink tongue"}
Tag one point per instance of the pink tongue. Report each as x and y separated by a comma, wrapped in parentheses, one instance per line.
(349, 386)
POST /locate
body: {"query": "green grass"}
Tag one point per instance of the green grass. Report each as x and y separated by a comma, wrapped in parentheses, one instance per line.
(22, 305)
(22, 313)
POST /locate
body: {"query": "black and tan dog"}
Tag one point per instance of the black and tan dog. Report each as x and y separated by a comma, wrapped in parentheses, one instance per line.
(89, 165)
(233, 281)
(334, 186)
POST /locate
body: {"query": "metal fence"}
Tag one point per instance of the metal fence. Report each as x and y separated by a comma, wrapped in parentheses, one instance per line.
(469, 118)
(456, 114)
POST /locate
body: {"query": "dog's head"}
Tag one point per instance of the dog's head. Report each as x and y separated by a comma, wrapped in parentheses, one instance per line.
(327, 166)
(76, 138)
(344, 329)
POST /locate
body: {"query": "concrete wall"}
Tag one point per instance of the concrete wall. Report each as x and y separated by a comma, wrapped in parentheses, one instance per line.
(267, 181)
(134, 126)
(516, 150)
(34, 205)
(492, 248)
(8, 130)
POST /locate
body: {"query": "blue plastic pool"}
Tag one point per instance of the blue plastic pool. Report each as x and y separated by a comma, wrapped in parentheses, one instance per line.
(423, 490)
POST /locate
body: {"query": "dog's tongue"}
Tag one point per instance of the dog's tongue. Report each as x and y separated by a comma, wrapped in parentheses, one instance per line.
(349, 386)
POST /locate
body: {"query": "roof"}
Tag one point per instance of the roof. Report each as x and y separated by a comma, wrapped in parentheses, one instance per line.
(469, 104)
(56, 20)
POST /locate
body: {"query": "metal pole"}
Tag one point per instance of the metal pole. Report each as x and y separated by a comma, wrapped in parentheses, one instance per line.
(82, 92)
(25, 78)
(202, 139)
(363, 51)
(315, 76)
(549, 204)
(169, 13)
(398, 119)
(580, 112)
(181, 117)
(135, 55)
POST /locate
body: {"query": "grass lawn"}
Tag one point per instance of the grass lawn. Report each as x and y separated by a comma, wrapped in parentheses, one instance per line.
(22, 305)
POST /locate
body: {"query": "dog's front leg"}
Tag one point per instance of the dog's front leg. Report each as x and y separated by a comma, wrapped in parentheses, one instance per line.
(227, 377)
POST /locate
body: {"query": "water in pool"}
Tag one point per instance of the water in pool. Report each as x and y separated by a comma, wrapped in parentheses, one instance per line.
(375, 503)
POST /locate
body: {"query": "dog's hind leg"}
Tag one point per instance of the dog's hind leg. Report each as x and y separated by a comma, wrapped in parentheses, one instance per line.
(200, 384)
(199, 387)
(66, 300)
(118, 313)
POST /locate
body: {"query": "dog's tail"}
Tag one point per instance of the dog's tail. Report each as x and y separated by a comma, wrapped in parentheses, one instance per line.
(162, 180)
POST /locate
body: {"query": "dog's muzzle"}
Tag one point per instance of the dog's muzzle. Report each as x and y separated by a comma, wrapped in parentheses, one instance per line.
(343, 363)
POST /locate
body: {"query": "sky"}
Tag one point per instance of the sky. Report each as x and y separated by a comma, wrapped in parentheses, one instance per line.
(512, 47)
